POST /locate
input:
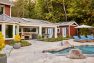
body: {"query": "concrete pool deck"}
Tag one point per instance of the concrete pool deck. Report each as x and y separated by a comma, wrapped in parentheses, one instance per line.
(33, 54)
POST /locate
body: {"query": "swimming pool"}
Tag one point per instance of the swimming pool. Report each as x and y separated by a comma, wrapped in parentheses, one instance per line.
(86, 49)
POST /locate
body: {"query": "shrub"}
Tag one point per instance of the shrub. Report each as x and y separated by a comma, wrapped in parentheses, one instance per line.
(17, 38)
(12, 43)
(39, 37)
(68, 37)
(2, 41)
(25, 43)
(59, 38)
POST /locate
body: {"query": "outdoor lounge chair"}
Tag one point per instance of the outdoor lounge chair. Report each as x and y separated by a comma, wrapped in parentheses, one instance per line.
(76, 38)
(86, 38)
(90, 37)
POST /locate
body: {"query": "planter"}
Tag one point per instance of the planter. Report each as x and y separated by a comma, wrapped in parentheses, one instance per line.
(17, 46)
(76, 54)
(3, 58)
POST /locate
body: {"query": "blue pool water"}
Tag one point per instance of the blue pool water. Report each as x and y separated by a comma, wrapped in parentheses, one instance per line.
(87, 49)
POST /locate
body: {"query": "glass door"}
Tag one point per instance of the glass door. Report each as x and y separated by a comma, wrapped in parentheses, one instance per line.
(64, 31)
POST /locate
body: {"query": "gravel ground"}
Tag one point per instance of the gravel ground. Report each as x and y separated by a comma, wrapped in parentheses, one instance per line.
(33, 54)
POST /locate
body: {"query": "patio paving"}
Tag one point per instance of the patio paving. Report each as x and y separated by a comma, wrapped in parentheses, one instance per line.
(33, 54)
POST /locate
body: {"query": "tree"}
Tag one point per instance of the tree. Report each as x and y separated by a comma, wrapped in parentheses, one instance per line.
(64, 10)
(22, 8)
(39, 9)
(81, 11)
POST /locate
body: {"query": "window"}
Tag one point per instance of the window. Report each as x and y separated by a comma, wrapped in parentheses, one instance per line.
(9, 31)
(26, 29)
(19, 29)
(58, 30)
(29, 29)
(33, 29)
(1, 9)
(16, 30)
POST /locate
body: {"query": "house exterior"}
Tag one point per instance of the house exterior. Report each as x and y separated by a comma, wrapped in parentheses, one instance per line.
(27, 28)
(5, 7)
(8, 26)
(31, 28)
(67, 29)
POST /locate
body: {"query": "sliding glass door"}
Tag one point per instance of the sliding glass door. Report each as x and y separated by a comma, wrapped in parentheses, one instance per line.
(9, 31)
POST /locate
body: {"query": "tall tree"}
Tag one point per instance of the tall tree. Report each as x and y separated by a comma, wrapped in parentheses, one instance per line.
(39, 9)
(81, 11)
(22, 8)
(64, 10)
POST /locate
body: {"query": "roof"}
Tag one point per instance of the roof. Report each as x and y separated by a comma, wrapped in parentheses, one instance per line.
(28, 20)
(33, 22)
(67, 23)
(6, 18)
(6, 2)
(36, 21)
(17, 19)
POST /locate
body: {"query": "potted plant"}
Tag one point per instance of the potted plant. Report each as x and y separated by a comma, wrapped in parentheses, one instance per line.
(17, 39)
(3, 57)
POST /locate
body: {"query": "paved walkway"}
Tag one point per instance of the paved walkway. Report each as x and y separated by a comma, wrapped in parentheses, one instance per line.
(33, 54)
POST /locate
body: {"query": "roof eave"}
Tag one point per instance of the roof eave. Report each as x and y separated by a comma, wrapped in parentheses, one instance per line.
(6, 4)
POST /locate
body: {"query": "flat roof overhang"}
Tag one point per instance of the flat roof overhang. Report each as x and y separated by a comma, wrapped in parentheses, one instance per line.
(37, 25)
(9, 22)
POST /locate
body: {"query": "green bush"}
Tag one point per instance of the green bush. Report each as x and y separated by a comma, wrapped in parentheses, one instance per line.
(23, 43)
(59, 38)
(12, 42)
(39, 37)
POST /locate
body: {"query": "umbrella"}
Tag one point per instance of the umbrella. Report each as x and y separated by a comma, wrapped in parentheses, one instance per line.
(84, 26)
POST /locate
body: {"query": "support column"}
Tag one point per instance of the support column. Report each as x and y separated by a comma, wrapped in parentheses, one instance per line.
(69, 30)
(3, 29)
(13, 31)
(22, 36)
(40, 30)
(22, 30)
(55, 32)
(17, 29)
(37, 30)
(46, 30)
(46, 36)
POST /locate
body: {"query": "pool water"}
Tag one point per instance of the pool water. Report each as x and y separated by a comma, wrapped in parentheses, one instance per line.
(87, 49)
